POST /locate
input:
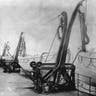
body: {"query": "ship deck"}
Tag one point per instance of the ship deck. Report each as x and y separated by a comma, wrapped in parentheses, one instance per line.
(16, 84)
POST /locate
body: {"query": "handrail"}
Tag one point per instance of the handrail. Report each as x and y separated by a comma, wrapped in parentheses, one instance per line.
(89, 89)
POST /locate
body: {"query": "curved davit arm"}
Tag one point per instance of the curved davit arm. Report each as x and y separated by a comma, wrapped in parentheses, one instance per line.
(61, 57)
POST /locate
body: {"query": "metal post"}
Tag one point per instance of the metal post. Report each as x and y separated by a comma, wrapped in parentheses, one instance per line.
(78, 84)
(89, 86)
(73, 76)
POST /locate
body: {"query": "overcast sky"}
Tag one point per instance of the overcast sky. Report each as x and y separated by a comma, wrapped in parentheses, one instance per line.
(37, 19)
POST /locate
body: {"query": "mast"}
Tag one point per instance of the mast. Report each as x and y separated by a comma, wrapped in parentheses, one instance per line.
(5, 50)
(21, 47)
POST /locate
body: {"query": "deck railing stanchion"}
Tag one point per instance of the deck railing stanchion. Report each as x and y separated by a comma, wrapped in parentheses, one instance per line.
(90, 85)
(78, 84)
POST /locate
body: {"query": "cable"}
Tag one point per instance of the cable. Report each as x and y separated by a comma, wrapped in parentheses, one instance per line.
(51, 46)
(76, 56)
(53, 38)
(52, 19)
(86, 10)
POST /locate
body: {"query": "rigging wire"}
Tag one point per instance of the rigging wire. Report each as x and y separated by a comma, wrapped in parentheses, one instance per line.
(51, 20)
(76, 56)
(51, 46)
(53, 38)
(86, 10)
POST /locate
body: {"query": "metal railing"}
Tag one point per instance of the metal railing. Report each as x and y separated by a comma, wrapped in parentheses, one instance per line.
(84, 84)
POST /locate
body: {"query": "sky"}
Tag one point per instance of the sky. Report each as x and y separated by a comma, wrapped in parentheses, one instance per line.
(38, 20)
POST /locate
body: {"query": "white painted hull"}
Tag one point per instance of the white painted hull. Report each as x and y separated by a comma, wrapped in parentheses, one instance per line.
(85, 66)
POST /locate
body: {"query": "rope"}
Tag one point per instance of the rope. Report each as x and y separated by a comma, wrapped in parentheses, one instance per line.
(52, 19)
(53, 38)
(86, 10)
(76, 56)
(10, 55)
(51, 46)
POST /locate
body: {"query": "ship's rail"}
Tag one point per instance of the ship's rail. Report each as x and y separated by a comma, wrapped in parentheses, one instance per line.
(84, 84)
(87, 61)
